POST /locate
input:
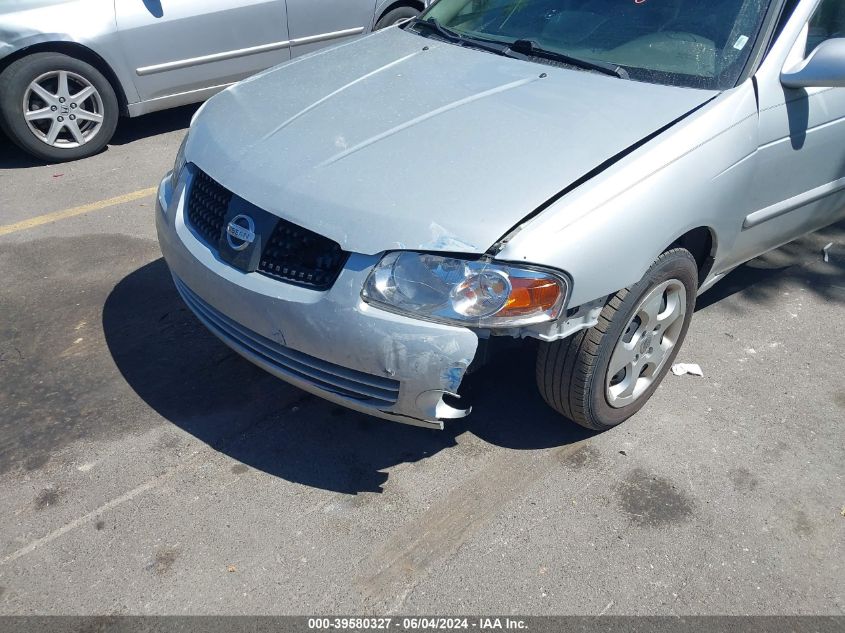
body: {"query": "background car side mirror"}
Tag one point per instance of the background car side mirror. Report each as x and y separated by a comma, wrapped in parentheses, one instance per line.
(824, 68)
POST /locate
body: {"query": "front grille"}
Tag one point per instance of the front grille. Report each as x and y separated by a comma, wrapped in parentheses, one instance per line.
(292, 254)
(350, 383)
(301, 256)
(208, 204)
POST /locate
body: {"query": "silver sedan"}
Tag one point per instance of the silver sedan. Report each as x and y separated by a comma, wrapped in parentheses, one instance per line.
(575, 172)
(70, 68)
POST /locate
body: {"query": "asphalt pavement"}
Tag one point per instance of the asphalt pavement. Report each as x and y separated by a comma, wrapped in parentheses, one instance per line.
(144, 468)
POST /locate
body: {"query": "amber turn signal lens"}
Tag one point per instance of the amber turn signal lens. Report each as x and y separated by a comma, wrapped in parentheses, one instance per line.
(530, 295)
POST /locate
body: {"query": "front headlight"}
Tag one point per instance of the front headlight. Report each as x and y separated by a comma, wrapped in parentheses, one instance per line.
(179, 164)
(477, 293)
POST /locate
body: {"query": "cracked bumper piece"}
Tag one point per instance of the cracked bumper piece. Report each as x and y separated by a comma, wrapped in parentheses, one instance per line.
(329, 343)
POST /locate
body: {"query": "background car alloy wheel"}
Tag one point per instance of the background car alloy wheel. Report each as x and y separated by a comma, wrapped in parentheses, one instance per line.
(601, 376)
(57, 107)
(63, 109)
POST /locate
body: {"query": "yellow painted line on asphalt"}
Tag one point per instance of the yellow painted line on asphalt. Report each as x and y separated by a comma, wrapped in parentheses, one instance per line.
(47, 218)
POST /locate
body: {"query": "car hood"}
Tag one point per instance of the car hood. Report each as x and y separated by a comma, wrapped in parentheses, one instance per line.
(399, 141)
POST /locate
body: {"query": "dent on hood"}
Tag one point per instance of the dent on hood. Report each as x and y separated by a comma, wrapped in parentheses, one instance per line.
(444, 240)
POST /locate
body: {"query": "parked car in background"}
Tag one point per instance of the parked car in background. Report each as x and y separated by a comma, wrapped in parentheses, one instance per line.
(573, 172)
(70, 68)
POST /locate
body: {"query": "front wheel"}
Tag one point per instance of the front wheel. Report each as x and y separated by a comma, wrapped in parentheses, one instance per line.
(57, 107)
(603, 375)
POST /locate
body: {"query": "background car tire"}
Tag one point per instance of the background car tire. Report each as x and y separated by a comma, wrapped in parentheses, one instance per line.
(21, 81)
(572, 374)
(395, 15)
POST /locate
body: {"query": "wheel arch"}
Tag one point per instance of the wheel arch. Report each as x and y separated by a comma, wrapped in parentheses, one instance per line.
(701, 242)
(77, 51)
(387, 6)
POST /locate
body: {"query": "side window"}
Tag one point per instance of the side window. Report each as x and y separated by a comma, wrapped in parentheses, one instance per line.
(827, 23)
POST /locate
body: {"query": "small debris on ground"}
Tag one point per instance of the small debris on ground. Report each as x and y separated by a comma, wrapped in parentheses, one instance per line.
(825, 251)
(623, 453)
(842, 511)
(680, 369)
(231, 569)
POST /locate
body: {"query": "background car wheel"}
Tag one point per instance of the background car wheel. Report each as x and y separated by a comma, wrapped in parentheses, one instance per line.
(602, 376)
(56, 107)
(396, 15)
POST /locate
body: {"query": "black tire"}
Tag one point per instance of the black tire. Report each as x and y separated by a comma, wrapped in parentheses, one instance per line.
(14, 82)
(395, 15)
(572, 373)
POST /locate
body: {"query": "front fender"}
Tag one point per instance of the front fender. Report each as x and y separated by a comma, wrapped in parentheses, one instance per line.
(607, 232)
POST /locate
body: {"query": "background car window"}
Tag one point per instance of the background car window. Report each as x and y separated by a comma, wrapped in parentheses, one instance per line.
(827, 23)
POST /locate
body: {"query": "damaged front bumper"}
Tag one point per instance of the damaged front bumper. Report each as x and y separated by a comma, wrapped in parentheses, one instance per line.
(329, 343)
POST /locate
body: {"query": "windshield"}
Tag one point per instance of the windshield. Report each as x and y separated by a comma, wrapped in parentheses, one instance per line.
(696, 43)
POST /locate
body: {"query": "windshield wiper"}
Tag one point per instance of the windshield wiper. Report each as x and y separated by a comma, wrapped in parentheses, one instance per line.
(530, 48)
(433, 26)
(522, 48)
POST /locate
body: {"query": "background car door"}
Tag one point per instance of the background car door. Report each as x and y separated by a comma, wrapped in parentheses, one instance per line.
(176, 46)
(321, 22)
(801, 149)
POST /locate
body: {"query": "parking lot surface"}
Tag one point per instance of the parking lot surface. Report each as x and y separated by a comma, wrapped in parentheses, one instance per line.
(144, 468)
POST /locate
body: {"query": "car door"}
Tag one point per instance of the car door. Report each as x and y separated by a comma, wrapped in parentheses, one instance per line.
(799, 184)
(196, 46)
(317, 23)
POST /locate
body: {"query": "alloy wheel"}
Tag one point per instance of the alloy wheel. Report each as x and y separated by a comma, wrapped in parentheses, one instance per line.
(63, 109)
(646, 343)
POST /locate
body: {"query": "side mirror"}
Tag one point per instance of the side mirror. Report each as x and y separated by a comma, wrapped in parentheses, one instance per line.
(824, 68)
